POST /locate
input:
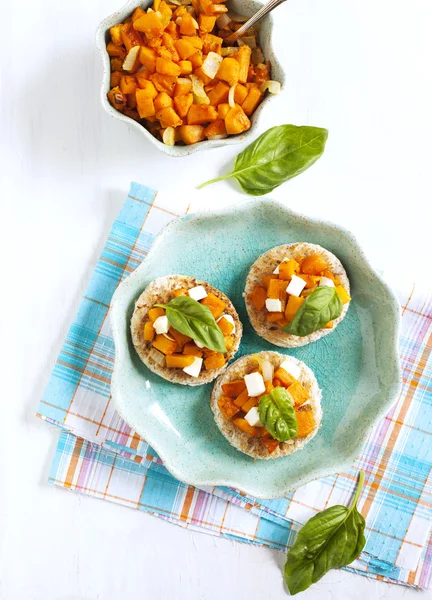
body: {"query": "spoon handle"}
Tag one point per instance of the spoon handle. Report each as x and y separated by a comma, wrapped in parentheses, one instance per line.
(263, 11)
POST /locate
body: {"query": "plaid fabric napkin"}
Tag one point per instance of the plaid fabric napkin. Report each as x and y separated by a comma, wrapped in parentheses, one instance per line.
(98, 454)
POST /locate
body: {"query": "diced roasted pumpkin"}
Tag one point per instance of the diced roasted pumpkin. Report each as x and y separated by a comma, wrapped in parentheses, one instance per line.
(211, 43)
(172, 29)
(229, 71)
(250, 404)
(236, 121)
(270, 444)
(168, 117)
(149, 331)
(164, 345)
(180, 338)
(178, 361)
(145, 105)
(262, 73)
(130, 37)
(147, 57)
(223, 110)
(128, 84)
(206, 23)
(243, 58)
(293, 304)
(182, 87)
(168, 44)
(343, 294)
(328, 325)
(268, 278)
(313, 265)
(201, 113)
(182, 104)
(244, 426)
(137, 13)
(115, 33)
(274, 317)
(164, 83)
(252, 100)
(219, 93)
(180, 292)
(298, 393)
(196, 59)
(162, 100)
(277, 289)
(229, 342)
(215, 360)
(188, 25)
(284, 377)
(166, 13)
(117, 98)
(185, 67)
(242, 398)
(240, 94)
(305, 423)
(146, 89)
(155, 313)
(259, 297)
(227, 407)
(150, 24)
(185, 48)
(288, 268)
(225, 326)
(191, 134)
(115, 78)
(215, 304)
(142, 76)
(115, 51)
(234, 388)
(216, 129)
(195, 41)
(191, 349)
(283, 322)
(167, 67)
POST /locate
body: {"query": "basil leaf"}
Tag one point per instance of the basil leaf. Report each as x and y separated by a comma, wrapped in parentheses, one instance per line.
(277, 414)
(331, 539)
(320, 307)
(195, 320)
(279, 154)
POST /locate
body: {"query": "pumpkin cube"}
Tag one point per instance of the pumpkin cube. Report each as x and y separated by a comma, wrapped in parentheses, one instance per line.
(115, 51)
(201, 113)
(206, 23)
(305, 423)
(178, 361)
(229, 342)
(145, 105)
(215, 360)
(270, 444)
(219, 93)
(249, 404)
(240, 93)
(128, 84)
(115, 33)
(244, 426)
(188, 25)
(313, 265)
(243, 58)
(164, 345)
(236, 121)
(168, 117)
(185, 67)
(298, 393)
(162, 100)
(293, 304)
(285, 378)
(167, 67)
(164, 83)
(215, 304)
(223, 110)
(191, 134)
(155, 313)
(191, 349)
(185, 48)
(182, 104)
(182, 87)
(147, 57)
(259, 297)
(242, 398)
(146, 89)
(288, 268)
(180, 338)
(234, 388)
(130, 37)
(229, 71)
(225, 326)
(150, 24)
(343, 294)
(196, 59)
(227, 407)
(149, 331)
(252, 100)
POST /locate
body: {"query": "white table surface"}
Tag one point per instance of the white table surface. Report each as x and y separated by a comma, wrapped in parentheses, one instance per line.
(359, 68)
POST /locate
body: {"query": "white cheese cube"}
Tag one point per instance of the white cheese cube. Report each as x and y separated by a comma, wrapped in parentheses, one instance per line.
(195, 368)
(255, 384)
(326, 281)
(273, 305)
(296, 286)
(230, 319)
(161, 325)
(197, 293)
(252, 417)
(197, 343)
(291, 368)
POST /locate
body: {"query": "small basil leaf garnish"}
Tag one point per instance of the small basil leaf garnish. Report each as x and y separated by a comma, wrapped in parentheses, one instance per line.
(277, 414)
(279, 154)
(320, 307)
(330, 540)
(196, 320)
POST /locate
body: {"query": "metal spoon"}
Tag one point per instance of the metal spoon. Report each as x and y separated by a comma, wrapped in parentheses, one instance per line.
(265, 10)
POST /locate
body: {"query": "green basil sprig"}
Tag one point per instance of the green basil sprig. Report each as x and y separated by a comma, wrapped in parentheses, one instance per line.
(195, 320)
(330, 540)
(277, 414)
(320, 307)
(279, 154)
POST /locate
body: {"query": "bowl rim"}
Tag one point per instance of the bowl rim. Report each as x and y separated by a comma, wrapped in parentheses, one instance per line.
(175, 151)
(392, 392)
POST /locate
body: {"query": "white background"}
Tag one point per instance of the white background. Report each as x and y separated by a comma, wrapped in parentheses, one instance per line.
(360, 68)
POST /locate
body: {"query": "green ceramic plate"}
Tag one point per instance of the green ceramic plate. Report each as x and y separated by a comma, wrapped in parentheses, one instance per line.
(357, 365)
